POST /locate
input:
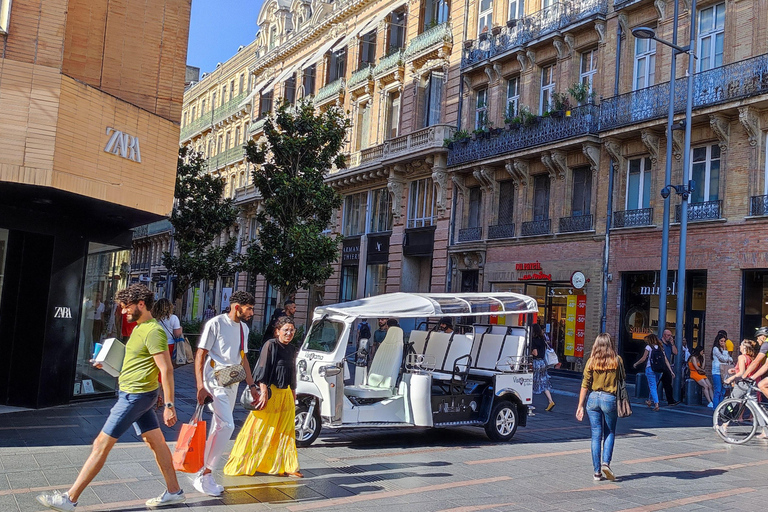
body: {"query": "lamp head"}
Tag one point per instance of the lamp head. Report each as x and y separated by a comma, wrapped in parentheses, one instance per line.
(644, 33)
(665, 192)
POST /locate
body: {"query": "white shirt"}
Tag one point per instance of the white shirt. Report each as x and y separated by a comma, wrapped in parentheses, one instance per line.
(221, 338)
(169, 325)
(97, 311)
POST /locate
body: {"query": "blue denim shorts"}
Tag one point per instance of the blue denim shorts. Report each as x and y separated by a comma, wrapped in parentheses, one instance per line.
(135, 409)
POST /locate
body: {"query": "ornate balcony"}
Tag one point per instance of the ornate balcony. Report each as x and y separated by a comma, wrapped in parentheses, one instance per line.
(501, 231)
(390, 62)
(432, 38)
(431, 137)
(330, 91)
(360, 77)
(575, 224)
(230, 108)
(365, 156)
(632, 218)
(550, 20)
(257, 125)
(226, 157)
(535, 227)
(546, 130)
(707, 210)
(758, 206)
(201, 123)
(719, 85)
(470, 234)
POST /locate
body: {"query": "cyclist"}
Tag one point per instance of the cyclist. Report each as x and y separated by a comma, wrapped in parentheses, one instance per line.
(759, 366)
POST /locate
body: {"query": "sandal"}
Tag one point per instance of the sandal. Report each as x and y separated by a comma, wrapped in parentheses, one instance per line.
(656, 409)
(649, 403)
(297, 474)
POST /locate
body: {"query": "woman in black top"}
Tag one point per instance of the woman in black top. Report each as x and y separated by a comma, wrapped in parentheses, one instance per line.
(540, 376)
(267, 441)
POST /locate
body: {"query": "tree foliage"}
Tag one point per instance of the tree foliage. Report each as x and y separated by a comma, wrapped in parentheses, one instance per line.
(292, 249)
(199, 216)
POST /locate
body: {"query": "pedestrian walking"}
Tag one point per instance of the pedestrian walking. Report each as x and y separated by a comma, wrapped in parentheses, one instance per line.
(696, 367)
(541, 383)
(224, 343)
(602, 373)
(267, 441)
(670, 351)
(146, 357)
(162, 311)
(289, 310)
(655, 361)
(720, 356)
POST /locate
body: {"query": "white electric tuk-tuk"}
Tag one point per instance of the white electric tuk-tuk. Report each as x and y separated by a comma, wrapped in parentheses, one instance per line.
(423, 377)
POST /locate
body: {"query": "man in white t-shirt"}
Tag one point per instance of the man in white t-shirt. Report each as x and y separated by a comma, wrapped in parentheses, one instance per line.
(224, 342)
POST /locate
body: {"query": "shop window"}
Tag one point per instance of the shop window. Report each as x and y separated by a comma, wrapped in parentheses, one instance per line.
(434, 98)
(513, 96)
(368, 49)
(588, 68)
(475, 210)
(638, 184)
(421, 203)
(355, 206)
(337, 65)
(705, 171)
(270, 305)
(265, 103)
(105, 274)
(516, 9)
(506, 202)
(435, 13)
(308, 80)
(582, 191)
(541, 197)
(393, 114)
(290, 90)
(381, 211)
(348, 283)
(375, 279)
(485, 17)
(755, 301)
(396, 35)
(481, 109)
(547, 88)
(711, 36)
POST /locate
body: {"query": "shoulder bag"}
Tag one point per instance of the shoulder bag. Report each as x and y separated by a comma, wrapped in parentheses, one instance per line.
(550, 357)
(246, 400)
(623, 407)
(235, 373)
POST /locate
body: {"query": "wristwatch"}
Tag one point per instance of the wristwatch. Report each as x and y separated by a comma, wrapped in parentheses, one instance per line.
(169, 405)
(251, 385)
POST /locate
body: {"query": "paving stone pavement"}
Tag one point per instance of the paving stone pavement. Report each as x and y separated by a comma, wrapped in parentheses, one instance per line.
(668, 460)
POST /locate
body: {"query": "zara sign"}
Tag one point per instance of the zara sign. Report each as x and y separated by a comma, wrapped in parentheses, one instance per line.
(122, 144)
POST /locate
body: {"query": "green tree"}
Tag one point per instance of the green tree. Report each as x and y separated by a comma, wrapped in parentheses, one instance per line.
(292, 250)
(199, 216)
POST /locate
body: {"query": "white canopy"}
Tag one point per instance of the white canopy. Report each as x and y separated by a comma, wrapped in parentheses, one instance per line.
(421, 305)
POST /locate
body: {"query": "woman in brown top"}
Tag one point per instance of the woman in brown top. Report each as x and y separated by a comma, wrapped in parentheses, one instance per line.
(602, 372)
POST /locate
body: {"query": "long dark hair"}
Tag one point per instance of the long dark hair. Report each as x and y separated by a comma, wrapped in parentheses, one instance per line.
(537, 332)
(698, 353)
(721, 335)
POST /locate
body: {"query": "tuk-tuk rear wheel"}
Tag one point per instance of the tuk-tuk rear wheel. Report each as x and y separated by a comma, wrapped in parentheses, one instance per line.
(502, 424)
(308, 436)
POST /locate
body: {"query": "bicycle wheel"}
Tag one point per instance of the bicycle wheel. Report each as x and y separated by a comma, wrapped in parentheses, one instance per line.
(735, 421)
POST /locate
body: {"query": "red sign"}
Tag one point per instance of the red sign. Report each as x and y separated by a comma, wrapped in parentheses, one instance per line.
(581, 313)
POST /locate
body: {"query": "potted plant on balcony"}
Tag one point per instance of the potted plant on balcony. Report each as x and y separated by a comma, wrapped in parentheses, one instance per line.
(561, 105)
(511, 23)
(496, 31)
(483, 35)
(511, 120)
(527, 117)
(468, 44)
(581, 93)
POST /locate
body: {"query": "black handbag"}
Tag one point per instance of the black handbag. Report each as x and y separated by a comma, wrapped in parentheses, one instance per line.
(623, 406)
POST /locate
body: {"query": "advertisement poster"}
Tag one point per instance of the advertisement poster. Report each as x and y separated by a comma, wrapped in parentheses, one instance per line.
(570, 326)
(581, 314)
(226, 293)
(196, 303)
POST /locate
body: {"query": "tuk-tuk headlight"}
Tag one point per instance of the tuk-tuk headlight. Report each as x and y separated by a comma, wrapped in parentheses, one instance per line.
(303, 371)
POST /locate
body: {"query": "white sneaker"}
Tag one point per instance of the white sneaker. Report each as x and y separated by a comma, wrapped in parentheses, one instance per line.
(166, 499)
(205, 484)
(57, 501)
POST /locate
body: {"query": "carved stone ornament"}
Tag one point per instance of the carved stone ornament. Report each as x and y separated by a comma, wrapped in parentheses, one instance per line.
(497, 69)
(440, 178)
(600, 29)
(721, 126)
(614, 149)
(531, 56)
(546, 159)
(484, 176)
(396, 187)
(560, 159)
(561, 48)
(570, 41)
(651, 142)
(678, 141)
(467, 84)
(518, 170)
(489, 73)
(460, 181)
(751, 123)
(624, 22)
(661, 8)
(525, 64)
(592, 152)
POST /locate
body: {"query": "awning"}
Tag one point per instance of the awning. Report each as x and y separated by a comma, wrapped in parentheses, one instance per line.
(421, 305)
(322, 51)
(372, 23)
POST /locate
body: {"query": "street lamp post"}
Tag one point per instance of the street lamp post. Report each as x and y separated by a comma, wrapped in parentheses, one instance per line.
(682, 190)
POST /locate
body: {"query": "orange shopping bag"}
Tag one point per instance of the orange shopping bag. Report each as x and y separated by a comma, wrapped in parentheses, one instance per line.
(189, 455)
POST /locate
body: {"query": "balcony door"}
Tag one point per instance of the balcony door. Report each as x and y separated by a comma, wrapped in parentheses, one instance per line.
(541, 197)
(705, 172)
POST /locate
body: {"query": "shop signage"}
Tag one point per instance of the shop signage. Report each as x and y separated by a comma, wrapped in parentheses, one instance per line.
(350, 252)
(532, 276)
(536, 276)
(62, 312)
(654, 290)
(378, 249)
(123, 145)
(419, 241)
(575, 320)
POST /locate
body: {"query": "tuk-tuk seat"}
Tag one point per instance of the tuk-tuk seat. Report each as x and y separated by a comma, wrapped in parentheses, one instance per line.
(385, 368)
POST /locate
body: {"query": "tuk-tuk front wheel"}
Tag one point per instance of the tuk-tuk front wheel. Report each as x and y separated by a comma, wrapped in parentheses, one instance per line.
(502, 423)
(306, 436)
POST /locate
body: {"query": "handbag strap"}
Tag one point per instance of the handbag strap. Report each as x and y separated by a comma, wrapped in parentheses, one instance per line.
(242, 341)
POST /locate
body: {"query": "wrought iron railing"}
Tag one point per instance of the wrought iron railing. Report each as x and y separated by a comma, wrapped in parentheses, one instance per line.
(535, 227)
(329, 91)
(430, 37)
(707, 210)
(551, 19)
(229, 108)
(620, 4)
(727, 83)
(758, 205)
(389, 62)
(583, 121)
(470, 234)
(226, 157)
(630, 218)
(501, 231)
(360, 76)
(199, 124)
(575, 223)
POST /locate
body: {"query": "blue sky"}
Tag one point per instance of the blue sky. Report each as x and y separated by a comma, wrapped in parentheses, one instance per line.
(217, 28)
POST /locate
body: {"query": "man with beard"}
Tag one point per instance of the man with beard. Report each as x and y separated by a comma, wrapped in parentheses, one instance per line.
(146, 356)
(224, 342)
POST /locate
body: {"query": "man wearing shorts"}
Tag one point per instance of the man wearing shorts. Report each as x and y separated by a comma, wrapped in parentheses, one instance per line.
(224, 342)
(146, 356)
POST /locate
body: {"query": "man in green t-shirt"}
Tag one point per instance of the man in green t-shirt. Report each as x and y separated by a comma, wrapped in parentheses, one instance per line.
(146, 358)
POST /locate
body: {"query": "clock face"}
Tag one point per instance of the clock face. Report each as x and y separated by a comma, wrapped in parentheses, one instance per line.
(578, 280)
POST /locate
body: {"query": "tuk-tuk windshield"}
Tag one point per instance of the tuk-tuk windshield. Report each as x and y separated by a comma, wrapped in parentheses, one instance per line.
(324, 335)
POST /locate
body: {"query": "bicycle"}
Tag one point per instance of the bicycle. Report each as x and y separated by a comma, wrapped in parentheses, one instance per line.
(736, 419)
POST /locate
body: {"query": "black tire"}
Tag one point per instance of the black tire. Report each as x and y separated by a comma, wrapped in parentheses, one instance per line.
(307, 437)
(502, 424)
(735, 421)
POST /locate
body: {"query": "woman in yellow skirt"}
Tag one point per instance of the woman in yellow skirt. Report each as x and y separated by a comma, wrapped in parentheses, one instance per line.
(267, 441)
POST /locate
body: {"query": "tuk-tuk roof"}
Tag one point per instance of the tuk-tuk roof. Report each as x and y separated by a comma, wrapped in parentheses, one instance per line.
(419, 305)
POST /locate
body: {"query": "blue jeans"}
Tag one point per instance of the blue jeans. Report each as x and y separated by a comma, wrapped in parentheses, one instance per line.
(653, 383)
(719, 389)
(601, 409)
